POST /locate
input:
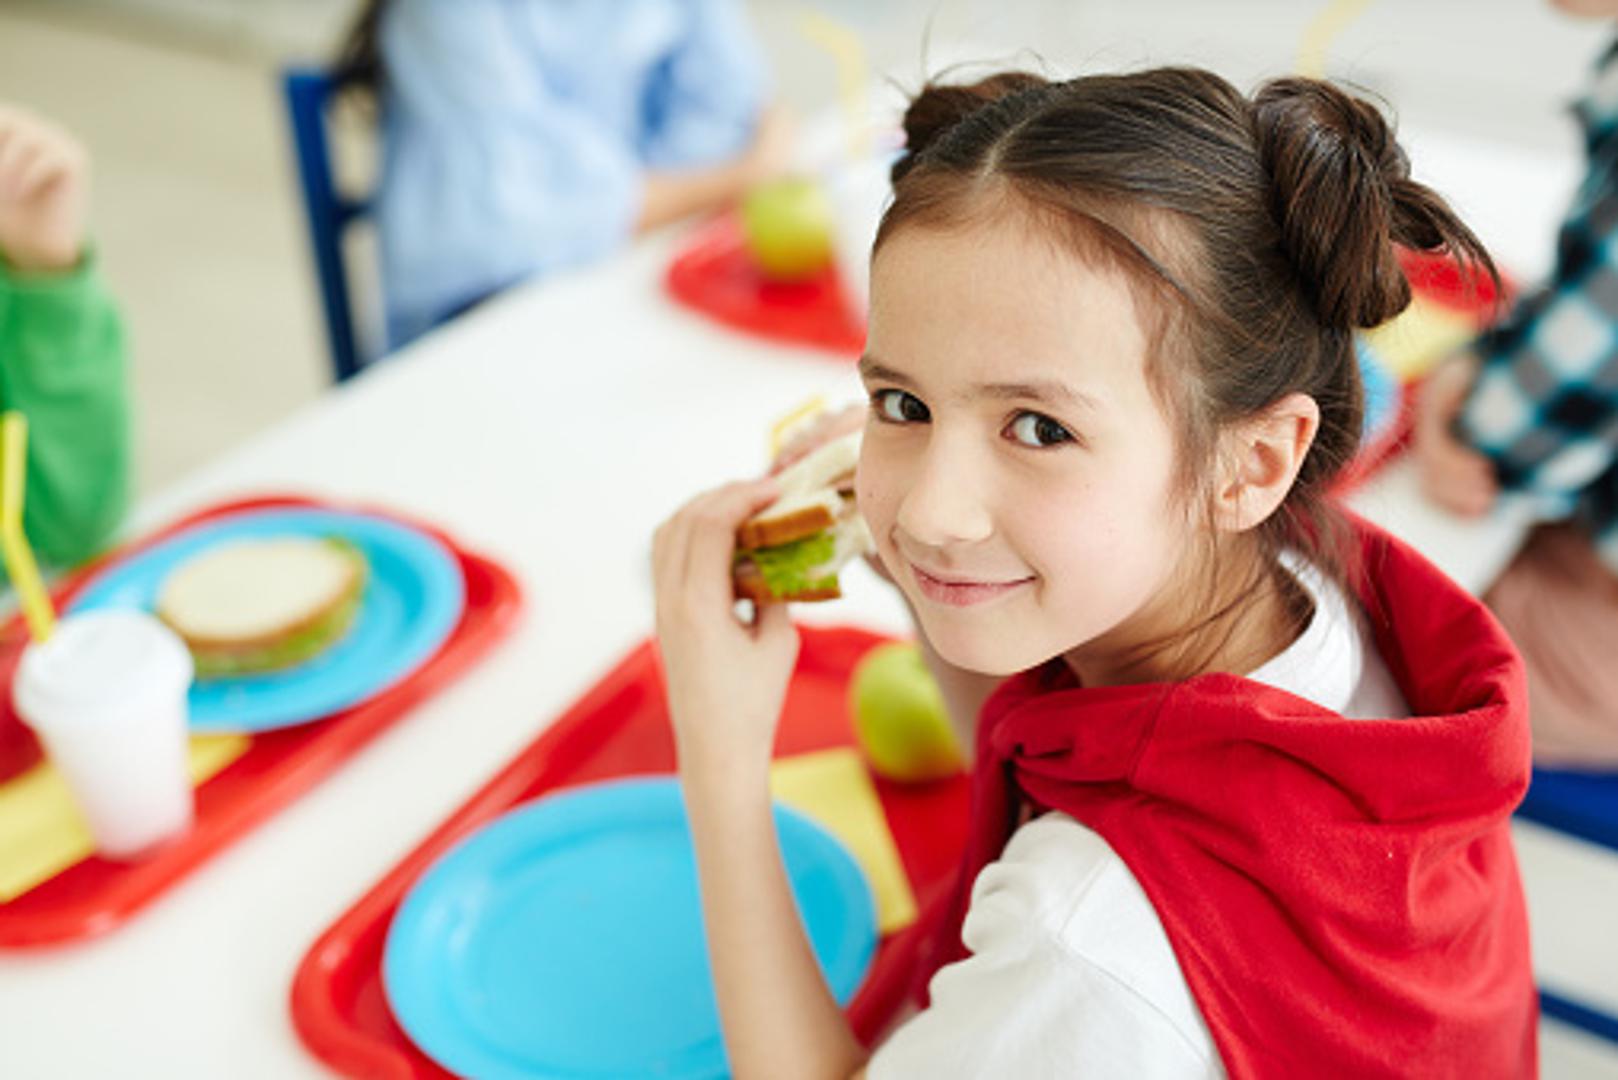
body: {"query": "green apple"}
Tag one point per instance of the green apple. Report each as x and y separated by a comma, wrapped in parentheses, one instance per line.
(788, 227)
(899, 716)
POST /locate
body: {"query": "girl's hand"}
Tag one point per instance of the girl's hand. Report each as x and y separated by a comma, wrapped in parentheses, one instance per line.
(1454, 475)
(44, 193)
(726, 679)
(816, 433)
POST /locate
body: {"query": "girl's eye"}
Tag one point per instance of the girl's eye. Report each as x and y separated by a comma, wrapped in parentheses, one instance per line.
(1034, 430)
(899, 407)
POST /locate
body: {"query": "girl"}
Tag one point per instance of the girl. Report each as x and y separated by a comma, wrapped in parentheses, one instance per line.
(522, 137)
(1241, 791)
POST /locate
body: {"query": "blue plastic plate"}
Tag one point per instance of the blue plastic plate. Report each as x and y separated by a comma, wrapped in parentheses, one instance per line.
(413, 599)
(1382, 392)
(565, 939)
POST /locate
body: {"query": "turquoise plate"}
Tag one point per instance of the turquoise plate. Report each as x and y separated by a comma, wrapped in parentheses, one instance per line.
(414, 597)
(565, 939)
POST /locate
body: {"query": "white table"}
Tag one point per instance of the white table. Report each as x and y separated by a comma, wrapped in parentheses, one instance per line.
(552, 430)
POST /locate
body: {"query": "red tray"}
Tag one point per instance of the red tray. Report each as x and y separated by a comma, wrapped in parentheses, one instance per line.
(715, 275)
(620, 728)
(1443, 280)
(95, 895)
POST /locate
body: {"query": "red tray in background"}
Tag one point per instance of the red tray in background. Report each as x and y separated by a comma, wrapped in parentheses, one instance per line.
(620, 727)
(715, 275)
(95, 895)
(1443, 280)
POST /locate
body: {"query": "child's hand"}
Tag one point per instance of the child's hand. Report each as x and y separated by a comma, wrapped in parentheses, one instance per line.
(770, 153)
(823, 429)
(44, 192)
(817, 433)
(1454, 475)
(726, 680)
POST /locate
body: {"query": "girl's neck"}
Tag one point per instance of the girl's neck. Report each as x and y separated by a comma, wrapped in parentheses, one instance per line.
(1247, 620)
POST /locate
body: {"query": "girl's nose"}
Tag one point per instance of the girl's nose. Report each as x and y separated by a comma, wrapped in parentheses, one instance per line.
(944, 508)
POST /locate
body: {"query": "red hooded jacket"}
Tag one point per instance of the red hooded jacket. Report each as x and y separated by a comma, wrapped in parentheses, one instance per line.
(1341, 894)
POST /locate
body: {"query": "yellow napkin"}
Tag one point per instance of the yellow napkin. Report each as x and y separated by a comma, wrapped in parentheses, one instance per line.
(41, 830)
(833, 788)
(1422, 335)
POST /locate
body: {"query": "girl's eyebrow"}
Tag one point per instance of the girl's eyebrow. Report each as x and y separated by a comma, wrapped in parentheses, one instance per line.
(1047, 390)
(873, 369)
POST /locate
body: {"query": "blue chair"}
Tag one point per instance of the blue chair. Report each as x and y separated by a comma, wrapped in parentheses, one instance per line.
(1584, 805)
(308, 94)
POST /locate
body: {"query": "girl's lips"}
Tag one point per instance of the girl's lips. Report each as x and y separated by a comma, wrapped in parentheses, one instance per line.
(959, 593)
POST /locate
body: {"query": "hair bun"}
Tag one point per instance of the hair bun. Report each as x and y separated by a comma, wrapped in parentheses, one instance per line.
(1341, 193)
(939, 107)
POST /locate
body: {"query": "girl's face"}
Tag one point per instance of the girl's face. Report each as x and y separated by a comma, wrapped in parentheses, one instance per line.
(1017, 471)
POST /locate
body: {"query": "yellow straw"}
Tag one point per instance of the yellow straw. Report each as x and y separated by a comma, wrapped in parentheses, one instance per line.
(853, 72)
(785, 426)
(1317, 39)
(18, 556)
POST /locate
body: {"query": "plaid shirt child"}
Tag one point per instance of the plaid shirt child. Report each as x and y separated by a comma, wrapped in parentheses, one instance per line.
(1545, 405)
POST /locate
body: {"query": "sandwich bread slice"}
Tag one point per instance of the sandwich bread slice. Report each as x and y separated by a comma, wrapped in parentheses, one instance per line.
(794, 548)
(263, 605)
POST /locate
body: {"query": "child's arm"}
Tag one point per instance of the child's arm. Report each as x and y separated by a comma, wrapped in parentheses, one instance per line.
(1539, 402)
(61, 343)
(1454, 475)
(671, 194)
(705, 95)
(726, 684)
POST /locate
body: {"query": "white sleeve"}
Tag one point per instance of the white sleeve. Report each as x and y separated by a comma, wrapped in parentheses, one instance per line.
(1033, 999)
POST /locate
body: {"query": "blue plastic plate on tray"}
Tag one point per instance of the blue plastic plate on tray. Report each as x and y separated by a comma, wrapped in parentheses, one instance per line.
(414, 596)
(1383, 395)
(564, 939)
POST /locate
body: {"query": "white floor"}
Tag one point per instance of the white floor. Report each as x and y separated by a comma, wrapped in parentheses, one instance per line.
(201, 238)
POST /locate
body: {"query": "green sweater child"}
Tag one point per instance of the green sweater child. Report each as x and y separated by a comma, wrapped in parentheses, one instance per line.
(61, 344)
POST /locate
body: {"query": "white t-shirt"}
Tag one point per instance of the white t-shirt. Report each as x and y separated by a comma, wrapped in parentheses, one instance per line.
(1070, 972)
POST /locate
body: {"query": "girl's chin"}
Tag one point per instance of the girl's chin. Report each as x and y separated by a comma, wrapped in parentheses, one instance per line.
(982, 654)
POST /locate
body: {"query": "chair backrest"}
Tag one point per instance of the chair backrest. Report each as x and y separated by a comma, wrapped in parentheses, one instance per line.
(308, 93)
(1583, 805)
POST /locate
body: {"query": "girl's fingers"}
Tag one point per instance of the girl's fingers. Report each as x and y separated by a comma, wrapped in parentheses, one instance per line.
(772, 621)
(823, 429)
(694, 548)
(711, 524)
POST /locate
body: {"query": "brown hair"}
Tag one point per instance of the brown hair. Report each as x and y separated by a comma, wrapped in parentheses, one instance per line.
(1263, 228)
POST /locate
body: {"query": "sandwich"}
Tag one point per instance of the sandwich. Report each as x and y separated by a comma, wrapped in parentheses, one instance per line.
(794, 548)
(263, 605)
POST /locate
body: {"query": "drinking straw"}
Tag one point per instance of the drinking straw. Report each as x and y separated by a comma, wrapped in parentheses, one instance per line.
(785, 427)
(853, 73)
(17, 555)
(1333, 19)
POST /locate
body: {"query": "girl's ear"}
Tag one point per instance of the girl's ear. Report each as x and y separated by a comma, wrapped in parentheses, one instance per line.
(1262, 457)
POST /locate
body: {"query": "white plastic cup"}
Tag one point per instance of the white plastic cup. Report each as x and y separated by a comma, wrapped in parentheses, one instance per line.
(106, 694)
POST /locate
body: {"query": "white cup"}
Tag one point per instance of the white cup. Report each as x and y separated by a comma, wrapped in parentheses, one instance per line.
(106, 694)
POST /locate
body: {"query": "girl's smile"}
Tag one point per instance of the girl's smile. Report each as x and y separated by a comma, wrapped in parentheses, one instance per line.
(962, 591)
